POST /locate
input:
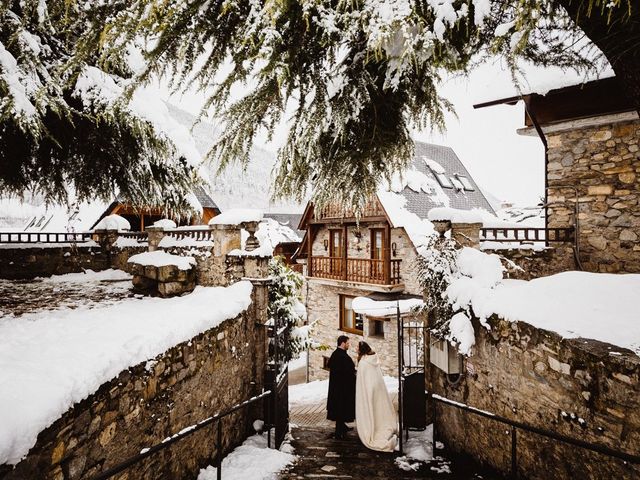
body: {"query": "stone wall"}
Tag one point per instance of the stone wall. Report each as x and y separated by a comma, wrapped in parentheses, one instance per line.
(18, 263)
(323, 307)
(579, 388)
(536, 263)
(150, 402)
(603, 164)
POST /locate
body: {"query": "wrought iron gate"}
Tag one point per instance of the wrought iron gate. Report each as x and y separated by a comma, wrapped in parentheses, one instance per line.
(413, 336)
(277, 380)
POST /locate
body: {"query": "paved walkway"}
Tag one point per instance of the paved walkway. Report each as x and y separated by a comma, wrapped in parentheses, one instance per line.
(323, 457)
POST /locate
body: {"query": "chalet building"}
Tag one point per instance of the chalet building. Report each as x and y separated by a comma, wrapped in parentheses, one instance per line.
(141, 217)
(376, 257)
(289, 239)
(591, 135)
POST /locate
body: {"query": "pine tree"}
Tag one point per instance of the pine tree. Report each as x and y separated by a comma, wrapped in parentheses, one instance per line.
(64, 127)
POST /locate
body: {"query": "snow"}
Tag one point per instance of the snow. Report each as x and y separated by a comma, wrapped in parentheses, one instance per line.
(162, 259)
(109, 275)
(417, 228)
(113, 222)
(166, 223)
(236, 216)
(455, 215)
(124, 242)
(85, 244)
(382, 308)
(419, 182)
(316, 391)
(252, 460)
(433, 165)
(461, 333)
(598, 306)
(19, 85)
(65, 355)
(418, 449)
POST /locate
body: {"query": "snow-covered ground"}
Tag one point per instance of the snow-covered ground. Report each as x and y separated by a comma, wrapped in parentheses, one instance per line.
(68, 291)
(66, 354)
(316, 391)
(252, 460)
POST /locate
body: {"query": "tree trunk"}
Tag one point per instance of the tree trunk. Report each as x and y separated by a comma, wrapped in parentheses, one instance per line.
(617, 36)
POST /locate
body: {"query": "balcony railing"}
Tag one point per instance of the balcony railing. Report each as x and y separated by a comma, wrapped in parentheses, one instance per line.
(370, 209)
(527, 234)
(361, 270)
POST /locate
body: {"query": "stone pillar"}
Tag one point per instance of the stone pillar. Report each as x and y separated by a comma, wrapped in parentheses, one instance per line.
(106, 238)
(156, 234)
(466, 234)
(225, 238)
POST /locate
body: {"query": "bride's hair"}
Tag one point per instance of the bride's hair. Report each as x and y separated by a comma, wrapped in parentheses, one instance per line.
(364, 349)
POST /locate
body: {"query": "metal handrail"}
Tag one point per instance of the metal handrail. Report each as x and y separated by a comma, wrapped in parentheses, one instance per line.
(44, 237)
(594, 447)
(182, 435)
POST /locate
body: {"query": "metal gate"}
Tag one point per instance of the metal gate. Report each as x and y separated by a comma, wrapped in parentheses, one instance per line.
(413, 336)
(277, 380)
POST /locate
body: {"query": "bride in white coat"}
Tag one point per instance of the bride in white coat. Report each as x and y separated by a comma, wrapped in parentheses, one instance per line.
(376, 418)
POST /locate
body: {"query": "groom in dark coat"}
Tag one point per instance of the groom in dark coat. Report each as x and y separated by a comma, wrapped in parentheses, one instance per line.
(341, 400)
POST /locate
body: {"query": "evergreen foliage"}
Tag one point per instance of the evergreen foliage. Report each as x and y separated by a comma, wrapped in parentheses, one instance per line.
(285, 308)
(64, 130)
(351, 78)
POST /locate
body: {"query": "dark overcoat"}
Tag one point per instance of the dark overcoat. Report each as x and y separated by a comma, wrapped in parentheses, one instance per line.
(341, 399)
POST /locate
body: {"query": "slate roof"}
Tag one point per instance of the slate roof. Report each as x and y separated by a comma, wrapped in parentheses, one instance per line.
(420, 203)
(291, 220)
(205, 199)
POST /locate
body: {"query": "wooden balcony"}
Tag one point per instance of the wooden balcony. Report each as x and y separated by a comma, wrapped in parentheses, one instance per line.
(359, 270)
(370, 209)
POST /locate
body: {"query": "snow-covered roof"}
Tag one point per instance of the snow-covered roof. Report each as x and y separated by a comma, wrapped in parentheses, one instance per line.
(534, 79)
(56, 358)
(422, 189)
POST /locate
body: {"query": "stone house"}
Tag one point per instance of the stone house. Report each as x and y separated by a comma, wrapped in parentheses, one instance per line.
(590, 133)
(375, 257)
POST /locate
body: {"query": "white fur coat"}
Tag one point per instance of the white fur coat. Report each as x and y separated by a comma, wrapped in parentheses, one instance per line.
(376, 419)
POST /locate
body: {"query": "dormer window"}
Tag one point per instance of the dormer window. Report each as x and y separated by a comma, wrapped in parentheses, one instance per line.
(443, 180)
(466, 183)
(457, 183)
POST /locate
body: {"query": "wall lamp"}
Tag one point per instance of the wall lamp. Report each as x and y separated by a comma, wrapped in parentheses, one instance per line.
(326, 244)
(394, 249)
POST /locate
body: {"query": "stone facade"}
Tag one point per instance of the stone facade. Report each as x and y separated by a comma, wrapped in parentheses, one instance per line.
(536, 263)
(322, 299)
(600, 166)
(154, 400)
(577, 388)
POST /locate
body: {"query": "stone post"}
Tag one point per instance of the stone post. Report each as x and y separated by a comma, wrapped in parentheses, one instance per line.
(225, 238)
(106, 239)
(156, 234)
(466, 234)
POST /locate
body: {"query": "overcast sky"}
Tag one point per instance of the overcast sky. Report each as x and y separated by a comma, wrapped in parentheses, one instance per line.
(508, 165)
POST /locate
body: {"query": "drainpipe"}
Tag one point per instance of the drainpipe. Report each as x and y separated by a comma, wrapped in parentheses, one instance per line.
(543, 138)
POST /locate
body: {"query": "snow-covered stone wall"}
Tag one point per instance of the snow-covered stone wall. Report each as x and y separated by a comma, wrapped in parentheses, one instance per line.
(580, 388)
(603, 164)
(153, 400)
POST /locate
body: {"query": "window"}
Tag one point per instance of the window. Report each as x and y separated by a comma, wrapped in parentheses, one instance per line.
(376, 328)
(466, 183)
(350, 321)
(457, 183)
(443, 180)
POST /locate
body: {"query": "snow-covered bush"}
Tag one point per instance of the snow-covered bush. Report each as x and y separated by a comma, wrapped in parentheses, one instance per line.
(285, 307)
(437, 269)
